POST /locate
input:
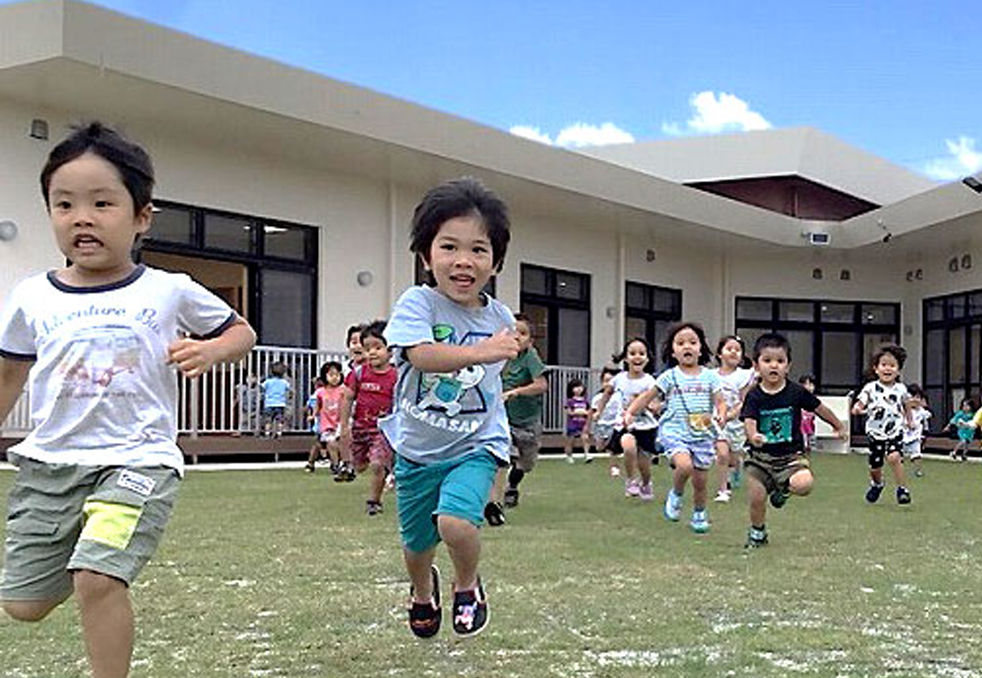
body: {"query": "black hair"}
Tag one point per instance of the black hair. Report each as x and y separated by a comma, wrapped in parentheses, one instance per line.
(705, 357)
(573, 383)
(278, 369)
(898, 353)
(461, 197)
(130, 160)
(522, 318)
(621, 358)
(612, 370)
(916, 391)
(353, 330)
(772, 340)
(375, 329)
(744, 358)
(807, 376)
(328, 366)
(967, 401)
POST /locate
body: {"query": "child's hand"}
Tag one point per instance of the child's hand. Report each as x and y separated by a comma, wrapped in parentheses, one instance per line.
(858, 408)
(842, 434)
(193, 357)
(628, 418)
(758, 439)
(508, 395)
(502, 346)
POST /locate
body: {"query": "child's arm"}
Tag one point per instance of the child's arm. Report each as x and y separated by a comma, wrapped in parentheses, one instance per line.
(754, 437)
(721, 413)
(440, 358)
(13, 375)
(858, 407)
(537, 386)
(641, 401)
(828, 416)
(344, 418)
(194, 357)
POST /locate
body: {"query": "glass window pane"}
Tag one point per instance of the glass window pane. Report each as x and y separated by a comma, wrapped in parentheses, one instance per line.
(796, 310)
(934, 357)
(171, 224)
(956, 355)
(935, 403)
(838, 313)
(934, 310)
(571, 286)
(975, 304)
(661, 333)
(539, 324)
(754, 309)
(879, 314)
(635, 327)
(573, 337)
(667, 301)
(281, 241)
(637, 296)
(228, 233)
(287, 302)
(956, 306)
(975, 348)
(802, 352)
(534, 281)
(840, 362)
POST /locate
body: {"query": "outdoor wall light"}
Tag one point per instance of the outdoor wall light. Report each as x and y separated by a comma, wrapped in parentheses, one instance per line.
(8, 231)
(39, 129)
(973, 184)
(966, 261)
(364, 278)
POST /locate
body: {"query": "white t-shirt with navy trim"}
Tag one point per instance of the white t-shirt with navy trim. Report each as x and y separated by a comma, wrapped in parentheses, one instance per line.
(101, 390)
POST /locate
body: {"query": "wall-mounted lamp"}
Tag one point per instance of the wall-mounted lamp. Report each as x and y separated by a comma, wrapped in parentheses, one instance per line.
(649, 255)
(39, 129)
(8, 231)
(953, 264)
(845, 274)
(364, 278)
(816, 274)
(966, 261)
(973, 184)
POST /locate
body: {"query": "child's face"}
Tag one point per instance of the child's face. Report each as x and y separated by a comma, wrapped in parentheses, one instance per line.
(355, 350)
(731, 354)
(772, 365)
(333, 377)
(686, 347)
(966, 407)
(578, 391)
(637, 356)
(606, 379)
(524, 334)
(461, 259)
(376, 352)
(93, 218)
(887, 369)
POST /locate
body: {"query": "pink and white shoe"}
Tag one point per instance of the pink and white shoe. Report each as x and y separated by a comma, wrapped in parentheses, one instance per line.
(632, 488)
(647, 493)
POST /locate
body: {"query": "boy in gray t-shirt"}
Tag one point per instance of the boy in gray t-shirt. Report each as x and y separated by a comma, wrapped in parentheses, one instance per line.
(448, 426)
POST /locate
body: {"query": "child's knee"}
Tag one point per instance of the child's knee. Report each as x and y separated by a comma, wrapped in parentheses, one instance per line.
(29, 610)
(801, 483)
(454, 530)
(92, 587)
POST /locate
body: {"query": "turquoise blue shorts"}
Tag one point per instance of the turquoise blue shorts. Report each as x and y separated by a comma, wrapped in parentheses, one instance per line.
(456, 487)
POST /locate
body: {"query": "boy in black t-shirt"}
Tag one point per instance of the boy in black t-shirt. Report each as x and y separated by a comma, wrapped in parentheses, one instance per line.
(777, 465)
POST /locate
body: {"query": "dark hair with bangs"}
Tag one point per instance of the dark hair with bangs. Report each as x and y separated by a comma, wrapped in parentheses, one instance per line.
(375, 329)
(898, 353)
(130, 160)
(705, 357)
(772, 340)
(744, 358)
(460, 198)
(328, 366)
(621, 357)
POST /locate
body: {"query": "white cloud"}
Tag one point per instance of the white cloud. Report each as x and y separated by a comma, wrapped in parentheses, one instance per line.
(712, 114)
(962, 159)
(577, 135)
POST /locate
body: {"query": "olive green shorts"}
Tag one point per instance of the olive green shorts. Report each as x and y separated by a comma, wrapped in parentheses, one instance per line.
(62, 518)
(774, 471)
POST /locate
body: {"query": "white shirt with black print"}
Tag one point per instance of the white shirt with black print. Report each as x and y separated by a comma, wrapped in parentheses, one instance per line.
(884, 409)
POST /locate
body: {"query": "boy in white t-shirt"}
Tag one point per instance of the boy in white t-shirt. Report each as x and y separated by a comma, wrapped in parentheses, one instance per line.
(916, 429)
(103, 340)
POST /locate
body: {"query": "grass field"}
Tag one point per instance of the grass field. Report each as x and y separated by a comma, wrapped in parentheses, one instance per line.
(277, 573)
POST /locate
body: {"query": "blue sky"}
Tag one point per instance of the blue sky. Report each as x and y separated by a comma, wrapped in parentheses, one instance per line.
(900, 79)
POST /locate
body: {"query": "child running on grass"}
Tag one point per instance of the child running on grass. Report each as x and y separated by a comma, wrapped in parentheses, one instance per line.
(449, 429)
(605, 417)
(369, 389)
(917, 423)
(327, 413)
(309, 409)
(635, 437)
(577, 420)
(961, 421)
(777, 465)
(736, 377)
(694, 412)
(884, 402)
(807, 381)
(99, 339)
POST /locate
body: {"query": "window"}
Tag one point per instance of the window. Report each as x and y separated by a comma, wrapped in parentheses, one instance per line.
(952, 364)
(834, 340)
(648, 312)
(172, 224)
(558, 306)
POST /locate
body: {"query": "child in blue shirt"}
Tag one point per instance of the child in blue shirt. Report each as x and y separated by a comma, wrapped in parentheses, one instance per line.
(276, 391)
(448, 428)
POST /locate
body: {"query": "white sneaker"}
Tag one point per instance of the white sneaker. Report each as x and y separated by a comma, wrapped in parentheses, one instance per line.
(673, 506)
(723, 496)
(614, 471)
(569, 460)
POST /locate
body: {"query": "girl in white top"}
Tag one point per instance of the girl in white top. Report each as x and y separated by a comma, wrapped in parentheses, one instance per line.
(639, 435)
(736, 378)
(604, 419)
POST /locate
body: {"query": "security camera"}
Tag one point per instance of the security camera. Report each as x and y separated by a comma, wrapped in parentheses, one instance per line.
(819, 239)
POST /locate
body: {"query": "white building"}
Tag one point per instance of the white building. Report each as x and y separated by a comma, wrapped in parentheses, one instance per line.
(291, 193)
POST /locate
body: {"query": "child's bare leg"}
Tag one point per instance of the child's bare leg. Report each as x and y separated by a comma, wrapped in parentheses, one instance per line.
(377, 481)
(644, 466)
(630, 446)
(585, 443)
(464, 546)
(723, 464)
(418, 567)
(682, 472)
(333, 452)
(30, 610)
(107, 623)
(498, 486)
(876, 475)
(699, 481)
(897, 465)
(313, 455)
(568, 446)
(800, 483)
(758, 501)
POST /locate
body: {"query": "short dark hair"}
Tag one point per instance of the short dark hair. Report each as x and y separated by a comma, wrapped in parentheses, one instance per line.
(130, 160)
(573, 383)
(277, 369)
(328, 366)
(461, 197)
(772, 340)
(666, 348)
(916, 391)
(375, 329)
(898, 353)
(353, 330)
(522, 318)
(724, 340)
(612, 370)
(807, 376)
(969, 402)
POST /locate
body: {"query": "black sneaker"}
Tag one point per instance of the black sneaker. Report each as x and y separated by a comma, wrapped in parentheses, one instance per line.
(372, 507)
(511, 497)
(309, 468)
(756, 538)
(424, 618)
(470, 611)
(494, 514)
(903, 495)
(779, 498)
(873, 493)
